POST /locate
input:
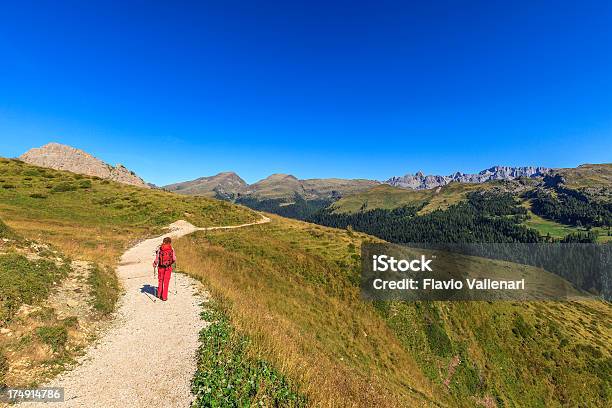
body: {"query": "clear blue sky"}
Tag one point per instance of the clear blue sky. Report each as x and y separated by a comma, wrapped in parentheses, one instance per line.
(177, 90)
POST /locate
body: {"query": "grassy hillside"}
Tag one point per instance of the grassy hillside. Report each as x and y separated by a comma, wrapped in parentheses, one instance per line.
(334, 186)
(96, 219)
(276, 186)
(62, 228)
(295, 295)
(588, 176)
(285, 186)
(388, 197)
(224, 185)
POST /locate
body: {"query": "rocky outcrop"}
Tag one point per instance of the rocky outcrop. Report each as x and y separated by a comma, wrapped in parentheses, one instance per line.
(419, 181)
(61, 157)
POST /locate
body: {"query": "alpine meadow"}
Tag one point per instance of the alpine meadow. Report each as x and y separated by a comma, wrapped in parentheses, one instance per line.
(285, 297)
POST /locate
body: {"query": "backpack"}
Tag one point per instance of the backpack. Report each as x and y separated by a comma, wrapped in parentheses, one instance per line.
(165, 256)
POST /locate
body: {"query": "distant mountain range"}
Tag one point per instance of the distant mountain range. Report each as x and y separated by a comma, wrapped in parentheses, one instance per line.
(289, 196)
(229, 185)
(419, 181)
(61, 157)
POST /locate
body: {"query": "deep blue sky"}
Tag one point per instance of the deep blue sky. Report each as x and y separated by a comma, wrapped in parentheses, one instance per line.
(177, 90)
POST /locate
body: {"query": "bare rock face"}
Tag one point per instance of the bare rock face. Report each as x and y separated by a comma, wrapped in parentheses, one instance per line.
(419, 181)
(61, 157)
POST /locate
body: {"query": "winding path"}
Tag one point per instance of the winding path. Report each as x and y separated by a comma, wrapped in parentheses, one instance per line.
(148, 355)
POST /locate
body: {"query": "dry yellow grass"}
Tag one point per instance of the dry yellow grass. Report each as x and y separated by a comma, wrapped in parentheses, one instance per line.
(293, 288)
(304, 316)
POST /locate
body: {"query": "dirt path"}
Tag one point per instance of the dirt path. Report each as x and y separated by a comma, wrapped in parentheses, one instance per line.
(147, 357)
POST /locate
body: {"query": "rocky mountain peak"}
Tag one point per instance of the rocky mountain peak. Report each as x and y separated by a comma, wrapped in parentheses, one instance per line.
(227, 174)
(280, 176)
(224, 185)
(62, 157)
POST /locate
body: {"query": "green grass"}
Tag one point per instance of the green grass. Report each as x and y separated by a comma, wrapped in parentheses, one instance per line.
(96, 219)
(227, 376)
(388, 197)
(295, 294)
(54, 336)
(588, 176)
(25, 281)
(556, 230)
(546, 227)
(105, 288)
(303, 312)
(295, 323)
(6, 232)
(520, 354)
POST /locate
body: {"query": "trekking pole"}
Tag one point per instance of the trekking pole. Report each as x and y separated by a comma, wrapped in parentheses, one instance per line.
(157, 288)
(176, 269)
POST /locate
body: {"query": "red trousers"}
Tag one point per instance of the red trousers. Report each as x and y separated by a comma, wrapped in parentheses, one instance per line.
(163, 276)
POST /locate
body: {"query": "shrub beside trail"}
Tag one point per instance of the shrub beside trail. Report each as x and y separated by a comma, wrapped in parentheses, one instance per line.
(228, 376)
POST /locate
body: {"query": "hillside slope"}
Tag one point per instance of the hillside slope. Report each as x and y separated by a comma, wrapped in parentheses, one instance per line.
(81, 225)
(388, 197)
(281, 194)
(95, 218)
(593, 179)
(295, 294)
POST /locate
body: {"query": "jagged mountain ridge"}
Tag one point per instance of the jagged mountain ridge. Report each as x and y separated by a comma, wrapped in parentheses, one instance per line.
(419, 181)
(62, 157)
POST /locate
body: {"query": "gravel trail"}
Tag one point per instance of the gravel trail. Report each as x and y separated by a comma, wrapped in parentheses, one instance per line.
(148, 355)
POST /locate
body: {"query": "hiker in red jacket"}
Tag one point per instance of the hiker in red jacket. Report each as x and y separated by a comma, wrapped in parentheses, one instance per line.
(164, 258)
